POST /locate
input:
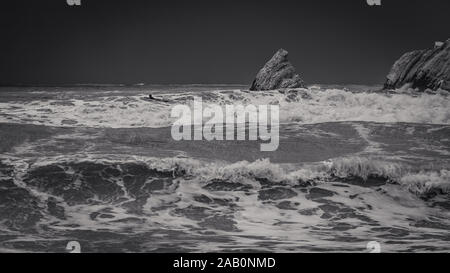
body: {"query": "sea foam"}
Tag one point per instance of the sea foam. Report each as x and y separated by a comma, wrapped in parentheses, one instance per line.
(416, 180)
(303, 106)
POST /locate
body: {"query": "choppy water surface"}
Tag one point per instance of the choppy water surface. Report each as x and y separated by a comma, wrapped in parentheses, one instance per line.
(99, 167)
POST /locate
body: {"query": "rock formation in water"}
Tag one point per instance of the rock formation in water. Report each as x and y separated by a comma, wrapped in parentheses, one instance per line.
(277, 73)
(422, 69)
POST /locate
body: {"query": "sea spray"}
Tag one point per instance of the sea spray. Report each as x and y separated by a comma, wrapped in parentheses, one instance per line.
(303, 106)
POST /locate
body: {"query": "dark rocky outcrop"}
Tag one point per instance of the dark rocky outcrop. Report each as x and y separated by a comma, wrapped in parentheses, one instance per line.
(422, 69)
(277, 73)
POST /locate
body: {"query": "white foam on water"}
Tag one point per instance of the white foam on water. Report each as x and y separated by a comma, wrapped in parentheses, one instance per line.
(416, 180)
(258, 220)
(425, 181)
(302, 106)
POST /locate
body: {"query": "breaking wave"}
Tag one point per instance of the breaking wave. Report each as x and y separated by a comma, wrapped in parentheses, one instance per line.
(202, 206)
(305, 106)
(353, 169)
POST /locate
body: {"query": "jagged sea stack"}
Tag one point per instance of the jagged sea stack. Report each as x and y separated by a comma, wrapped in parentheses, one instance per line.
(422, 69)
(277, 73)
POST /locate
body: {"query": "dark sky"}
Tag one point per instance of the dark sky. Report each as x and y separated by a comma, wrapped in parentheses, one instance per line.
(210, 41)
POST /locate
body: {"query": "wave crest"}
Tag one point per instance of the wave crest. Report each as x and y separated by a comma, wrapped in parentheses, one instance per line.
(313, 105)
(344, 169)
(425, 182)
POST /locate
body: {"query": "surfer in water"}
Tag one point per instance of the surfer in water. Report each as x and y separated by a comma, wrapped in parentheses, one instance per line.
(150, 97)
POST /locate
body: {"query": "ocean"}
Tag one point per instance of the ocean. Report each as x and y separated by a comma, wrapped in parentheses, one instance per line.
(97, 165)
